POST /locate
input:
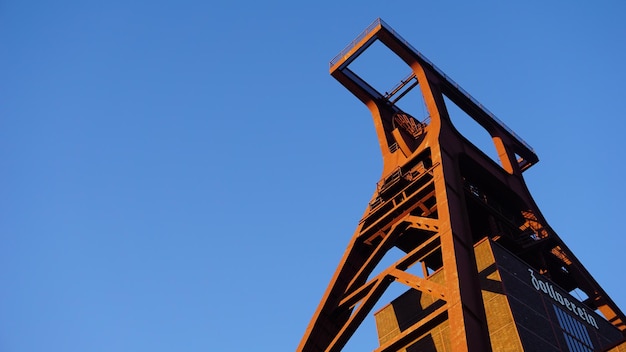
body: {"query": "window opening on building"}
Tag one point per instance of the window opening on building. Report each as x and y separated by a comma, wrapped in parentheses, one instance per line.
(575, 333)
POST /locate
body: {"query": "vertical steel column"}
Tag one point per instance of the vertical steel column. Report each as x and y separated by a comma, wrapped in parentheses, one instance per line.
(421, 207)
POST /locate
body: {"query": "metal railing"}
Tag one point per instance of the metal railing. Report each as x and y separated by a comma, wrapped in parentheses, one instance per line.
(355, 41)
(449, 80)
(456, 85)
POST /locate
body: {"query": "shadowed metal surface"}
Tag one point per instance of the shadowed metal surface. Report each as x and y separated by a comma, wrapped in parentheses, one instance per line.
(438, 196)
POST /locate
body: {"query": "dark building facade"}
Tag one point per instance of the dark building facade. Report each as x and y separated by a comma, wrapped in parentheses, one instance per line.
(525, 311)
(494, 275)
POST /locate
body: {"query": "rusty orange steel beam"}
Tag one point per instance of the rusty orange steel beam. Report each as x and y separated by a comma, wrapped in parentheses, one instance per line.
(433, 178)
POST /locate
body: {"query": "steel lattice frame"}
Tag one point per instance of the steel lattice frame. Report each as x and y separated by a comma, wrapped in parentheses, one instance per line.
(421, 207)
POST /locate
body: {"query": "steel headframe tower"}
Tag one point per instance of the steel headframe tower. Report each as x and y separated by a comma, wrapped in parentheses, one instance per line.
(439, 196)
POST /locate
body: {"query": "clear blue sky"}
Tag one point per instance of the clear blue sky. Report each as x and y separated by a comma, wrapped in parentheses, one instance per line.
(185, 175)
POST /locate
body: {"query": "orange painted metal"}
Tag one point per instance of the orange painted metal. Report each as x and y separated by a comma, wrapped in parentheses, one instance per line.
(432, 184)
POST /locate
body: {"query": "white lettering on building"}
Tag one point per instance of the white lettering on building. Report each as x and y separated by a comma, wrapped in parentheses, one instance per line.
(548, 289)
